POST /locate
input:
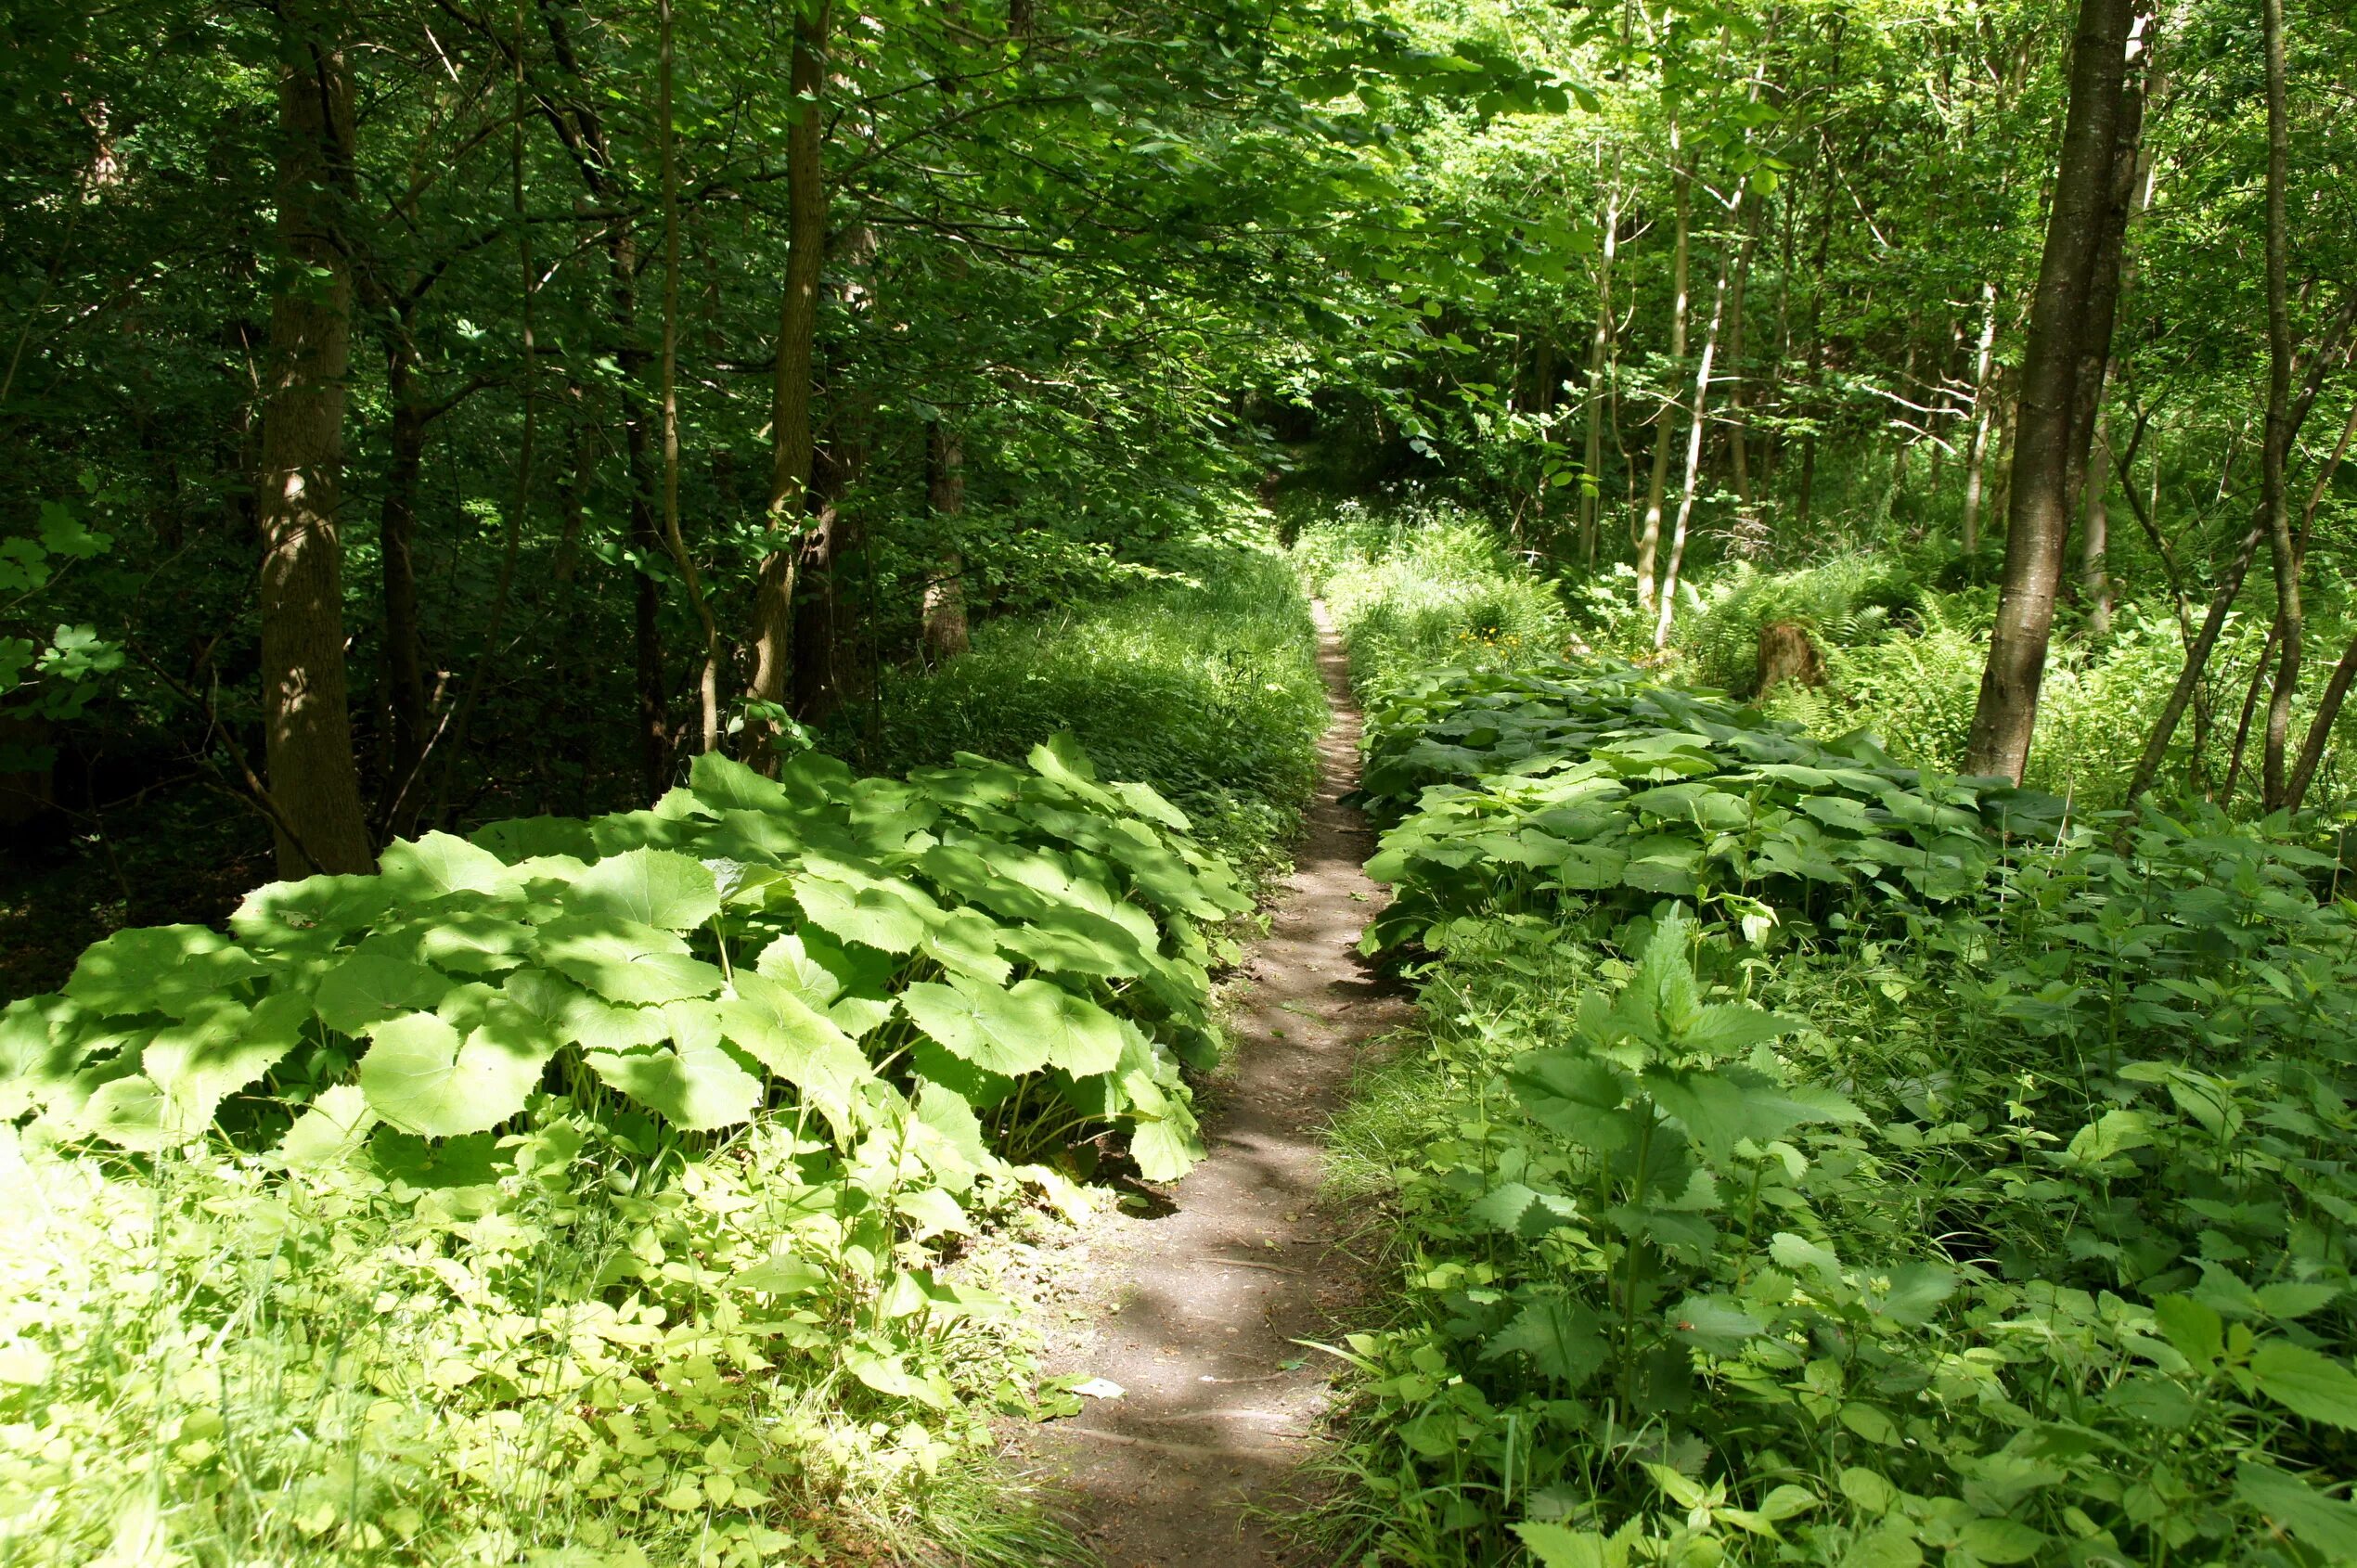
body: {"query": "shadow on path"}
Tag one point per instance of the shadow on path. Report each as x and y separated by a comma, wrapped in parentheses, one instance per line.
(1197, 1316)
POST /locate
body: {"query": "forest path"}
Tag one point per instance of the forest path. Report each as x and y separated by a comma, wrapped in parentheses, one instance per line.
(1194, 1312)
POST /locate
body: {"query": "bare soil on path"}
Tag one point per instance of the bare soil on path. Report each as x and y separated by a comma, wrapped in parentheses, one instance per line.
(1195, 1312)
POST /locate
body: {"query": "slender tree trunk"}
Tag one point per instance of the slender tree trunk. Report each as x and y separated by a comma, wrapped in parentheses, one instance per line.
(1697, 427)
(1815, 380)
(1984, 386)
(1649, 533)
(791, 442)
(2039, 525)
(2273, 507)
(397, 573)
(944, 633)
(1738, 454)
(314, 781)
(2095, 537)
(2242, 724)
(1599, 355)
(708, 681)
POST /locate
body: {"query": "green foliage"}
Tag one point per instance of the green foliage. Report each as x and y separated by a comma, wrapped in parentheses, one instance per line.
(567, 1343)
(1947, 1192)
(747, 943)
(1846, 600)
(1557, 784)
(1423, 584)
(1204, 687)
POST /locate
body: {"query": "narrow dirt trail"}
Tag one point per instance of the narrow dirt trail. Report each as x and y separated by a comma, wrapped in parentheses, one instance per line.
(1194, 1312)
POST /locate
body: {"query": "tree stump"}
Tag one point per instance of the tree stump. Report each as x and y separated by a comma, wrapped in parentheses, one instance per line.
(1786, 654)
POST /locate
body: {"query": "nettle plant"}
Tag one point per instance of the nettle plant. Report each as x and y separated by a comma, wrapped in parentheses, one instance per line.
(910, 966)
(1675, 1303)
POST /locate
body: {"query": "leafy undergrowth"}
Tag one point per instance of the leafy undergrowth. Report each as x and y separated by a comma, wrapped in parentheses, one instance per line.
(1797, 1165)
(578, 1193)
(1205, 686)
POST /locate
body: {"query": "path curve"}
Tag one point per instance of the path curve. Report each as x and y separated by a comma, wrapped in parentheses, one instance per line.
(1195, 1313)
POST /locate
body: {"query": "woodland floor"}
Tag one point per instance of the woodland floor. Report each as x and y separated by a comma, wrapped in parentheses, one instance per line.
(1196, 1311)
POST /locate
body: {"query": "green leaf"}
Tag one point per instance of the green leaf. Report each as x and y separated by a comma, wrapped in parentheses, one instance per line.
(727, 785)
(1165, 1147)
(573, 1017)
(367, 988)
(1577, 1096)
(1916, 1290)
(214, 1052)
(978, 1024)
(781, 1031)
(2192, 1328)
(1719, 1324)
(881, 917)
(2311, 1516)
(623, 962)
(2305, 1382)
(118, 975)
(650, 887)
(943, 1130)
(1080, 1037)
(1720, 1107)
(2001, 1540)
(1562, 1338)
(695, 1083)
(423, 1076)
(438, 865)
(1555, 1545)
(781, 1276)
(333, 1125)
(128, 1112)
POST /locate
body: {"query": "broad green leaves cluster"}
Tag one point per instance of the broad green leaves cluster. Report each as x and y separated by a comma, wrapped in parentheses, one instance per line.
(878, 955)
(1556, 784)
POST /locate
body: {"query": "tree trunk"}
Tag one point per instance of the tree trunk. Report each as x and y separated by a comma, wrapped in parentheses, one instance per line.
(2038, 523)
(2274, 509)
(1976, 463)
(314, 781)
(397, 571)
(944, 634)
(1738, 456)
(2095, 537)
(1696, 429)
(1599, 370)
(1649, 534)
(791, 444)
(1816, 372)
(708, 681)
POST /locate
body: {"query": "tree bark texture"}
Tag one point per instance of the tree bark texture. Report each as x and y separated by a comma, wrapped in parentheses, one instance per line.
(313, 779)
(2274, 507)
(1657, 488)
(2039, 516)
(792, 440)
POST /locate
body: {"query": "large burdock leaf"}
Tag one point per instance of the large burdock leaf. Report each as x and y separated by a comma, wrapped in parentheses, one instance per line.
(128, 1113)
(126, 973)
(855, 908)
(653, 887)
(965, 941)
(367, 988)
(694, 1084)
(38, 1052)
(1165, 1147)
(217, 1051)
(727, 785)
(777, 1029)
(979, 1024)
(626, 962)
(438, 865)
(423, 1076)
(574, 1017)
(1080, 1037)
